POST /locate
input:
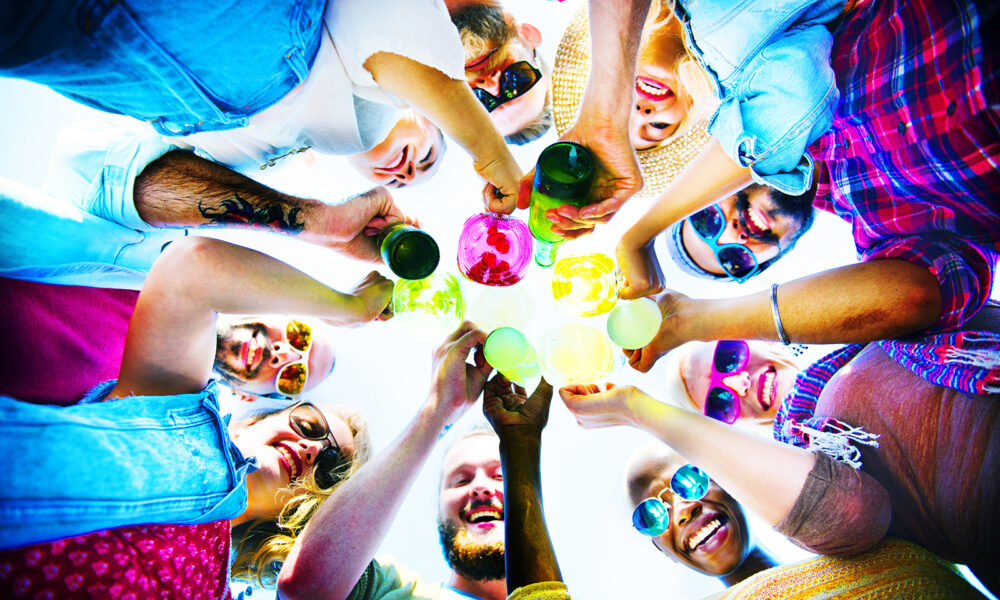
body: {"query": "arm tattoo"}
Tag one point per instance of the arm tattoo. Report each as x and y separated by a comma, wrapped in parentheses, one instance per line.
(238, 212)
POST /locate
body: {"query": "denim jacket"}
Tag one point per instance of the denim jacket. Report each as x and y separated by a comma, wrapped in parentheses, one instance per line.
(770, 63)
(151, 60)
(127, 461)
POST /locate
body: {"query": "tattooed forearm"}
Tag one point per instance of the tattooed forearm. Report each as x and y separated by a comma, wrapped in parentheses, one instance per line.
(237, 212)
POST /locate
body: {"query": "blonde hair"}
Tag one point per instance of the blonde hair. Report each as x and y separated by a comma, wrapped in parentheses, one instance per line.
(696, 90)
(261, 546)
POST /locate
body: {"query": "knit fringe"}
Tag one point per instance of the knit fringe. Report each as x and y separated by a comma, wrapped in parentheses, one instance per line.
(835, 440)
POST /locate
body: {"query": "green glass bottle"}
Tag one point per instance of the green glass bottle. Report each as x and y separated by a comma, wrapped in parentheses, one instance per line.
(563, 175)
(409, 252)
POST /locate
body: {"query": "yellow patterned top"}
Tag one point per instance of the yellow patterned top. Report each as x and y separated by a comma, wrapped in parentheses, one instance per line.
(894, 569)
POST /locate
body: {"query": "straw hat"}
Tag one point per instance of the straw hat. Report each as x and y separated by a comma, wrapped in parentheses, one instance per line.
(569, 78)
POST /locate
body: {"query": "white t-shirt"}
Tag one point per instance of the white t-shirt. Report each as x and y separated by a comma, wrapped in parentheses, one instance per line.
(339, 109)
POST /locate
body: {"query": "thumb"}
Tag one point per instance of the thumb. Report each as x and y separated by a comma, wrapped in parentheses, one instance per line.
(524, 189)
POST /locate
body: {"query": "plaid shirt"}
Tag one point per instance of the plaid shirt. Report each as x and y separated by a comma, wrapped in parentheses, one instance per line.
(912, 159)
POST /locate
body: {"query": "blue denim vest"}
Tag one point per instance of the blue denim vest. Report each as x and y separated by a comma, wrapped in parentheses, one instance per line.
(127, 461)
(770, 62)
(184, 66)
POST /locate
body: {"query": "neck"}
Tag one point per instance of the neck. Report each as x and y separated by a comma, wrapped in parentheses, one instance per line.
(759, 560)
(454, 5)
(493, 589)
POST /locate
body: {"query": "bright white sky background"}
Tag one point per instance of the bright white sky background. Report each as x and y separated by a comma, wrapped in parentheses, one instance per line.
(386, 373)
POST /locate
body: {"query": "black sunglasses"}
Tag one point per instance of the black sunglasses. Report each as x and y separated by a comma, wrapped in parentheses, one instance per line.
(308, 422)
(515, 81)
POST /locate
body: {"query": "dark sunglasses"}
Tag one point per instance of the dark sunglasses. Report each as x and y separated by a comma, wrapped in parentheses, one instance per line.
(722, 402)
(515, 81)
(737, 260)
(308, 423)
(652, 516)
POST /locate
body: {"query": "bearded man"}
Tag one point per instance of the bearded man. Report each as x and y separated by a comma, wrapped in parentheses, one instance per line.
(334, 558)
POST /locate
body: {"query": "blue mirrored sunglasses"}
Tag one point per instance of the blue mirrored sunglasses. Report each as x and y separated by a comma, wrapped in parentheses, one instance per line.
(736, 260)
(652, 516)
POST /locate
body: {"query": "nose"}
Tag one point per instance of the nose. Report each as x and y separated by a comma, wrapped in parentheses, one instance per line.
(482, 487)
(282, 354)
(684, 511)
(739, 382)
(644, 108)
(733, 233)
(489, 82)
(309, 449)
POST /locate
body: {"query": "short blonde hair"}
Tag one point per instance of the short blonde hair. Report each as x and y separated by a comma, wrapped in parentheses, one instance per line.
(261, 546)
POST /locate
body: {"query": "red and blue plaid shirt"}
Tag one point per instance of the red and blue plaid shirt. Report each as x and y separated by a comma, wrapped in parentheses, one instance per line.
(912, 159)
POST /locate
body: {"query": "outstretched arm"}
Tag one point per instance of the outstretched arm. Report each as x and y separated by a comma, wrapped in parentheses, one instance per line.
(518, 421)
(450, 104)
(170, 345)
(739, 461)
(744, 465)
(602, 123)
(875, 300)
(180, 189)
(710, 177)
(356, 518)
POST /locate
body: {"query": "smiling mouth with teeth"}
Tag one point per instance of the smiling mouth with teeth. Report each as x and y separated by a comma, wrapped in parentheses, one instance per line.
(293, 467)
(705, 533)
(483, 514)
(652, 90)
(766, 388)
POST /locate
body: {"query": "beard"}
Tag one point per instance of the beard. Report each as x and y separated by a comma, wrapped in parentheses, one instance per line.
(473, 560)
(481, 28)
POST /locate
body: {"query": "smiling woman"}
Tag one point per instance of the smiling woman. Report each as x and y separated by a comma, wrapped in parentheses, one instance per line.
(409, 155)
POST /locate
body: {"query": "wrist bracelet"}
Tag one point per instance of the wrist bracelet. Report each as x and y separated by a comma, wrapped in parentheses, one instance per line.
(777, 316)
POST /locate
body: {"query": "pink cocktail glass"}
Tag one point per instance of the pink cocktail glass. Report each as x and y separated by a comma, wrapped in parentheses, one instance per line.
(494, 249)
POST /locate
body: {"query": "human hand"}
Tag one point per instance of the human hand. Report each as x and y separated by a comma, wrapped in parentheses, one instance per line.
(456, 384)
(640, 269)
(676, 310)
(352, 226)
(511, 411)
(616, 179)
(366, 302)
(594, 407)
(502, 174)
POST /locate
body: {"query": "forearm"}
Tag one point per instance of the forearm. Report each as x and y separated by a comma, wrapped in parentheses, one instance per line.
(356, 518)
(180, 189)
(170, 344)
(615, 32)
(739, 461)
(530, 557)
(880, 299)
(710, 177)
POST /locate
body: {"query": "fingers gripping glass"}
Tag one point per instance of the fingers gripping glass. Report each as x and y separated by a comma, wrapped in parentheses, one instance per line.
(722, 402)
(308, 423)
(736, 260)
(652, 516)
(291, 378)
(515, 81)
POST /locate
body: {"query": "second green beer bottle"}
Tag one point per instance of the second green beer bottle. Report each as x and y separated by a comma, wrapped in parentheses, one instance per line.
(563, 175)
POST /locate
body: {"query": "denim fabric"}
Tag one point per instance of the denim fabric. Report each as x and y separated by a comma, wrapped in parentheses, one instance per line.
(127, 461)
(184, 66)
(86, 230)
(770, 62)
